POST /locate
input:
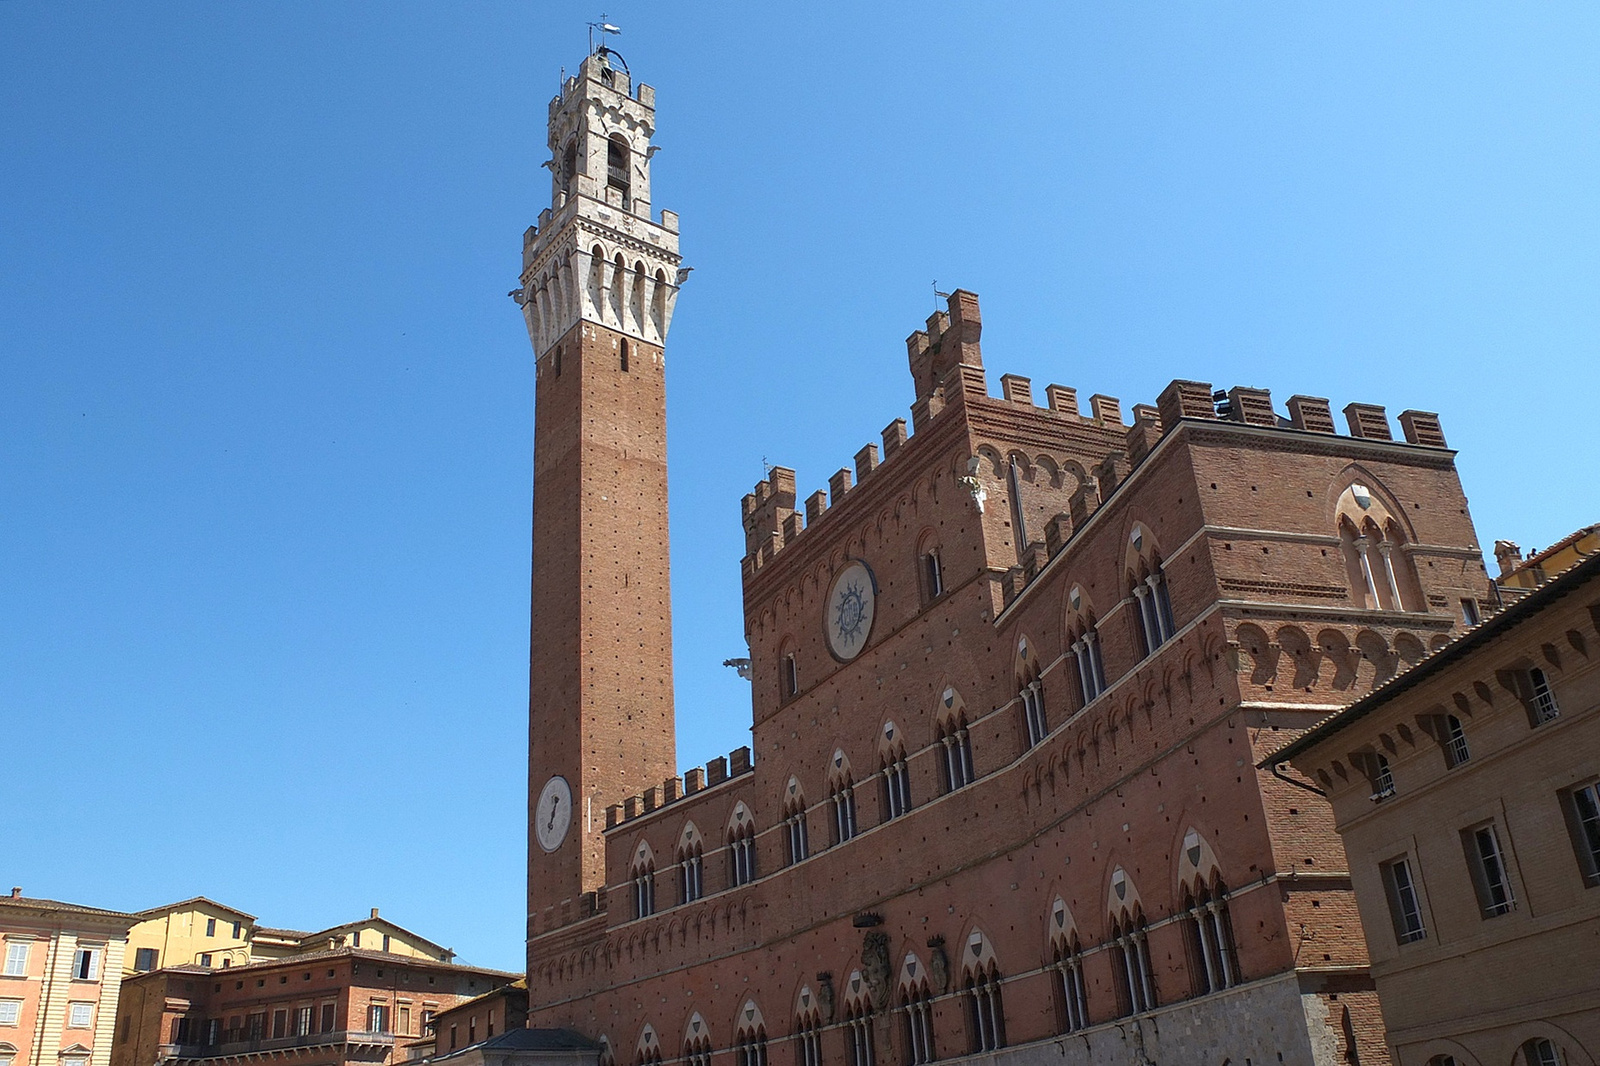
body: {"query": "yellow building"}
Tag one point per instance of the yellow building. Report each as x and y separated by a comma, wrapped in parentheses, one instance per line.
(203, 932)
(194, 932)
(372, 933)
(1519, 576)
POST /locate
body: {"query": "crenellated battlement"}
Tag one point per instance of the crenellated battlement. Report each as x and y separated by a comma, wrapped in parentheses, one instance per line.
(947, 371)
(722, 768)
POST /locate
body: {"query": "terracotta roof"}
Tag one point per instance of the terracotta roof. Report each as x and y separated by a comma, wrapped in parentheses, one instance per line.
(287, 934)
(58, 907)
(1570, 580)
(529, 1040)
(360, 922)
(380, 957)
(150, 911)
(1565, 542)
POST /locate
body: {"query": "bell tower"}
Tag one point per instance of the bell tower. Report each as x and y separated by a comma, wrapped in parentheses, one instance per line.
(599, 281)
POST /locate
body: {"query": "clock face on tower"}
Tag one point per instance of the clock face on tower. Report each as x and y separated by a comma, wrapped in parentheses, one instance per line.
(847, 618)
(553, 816)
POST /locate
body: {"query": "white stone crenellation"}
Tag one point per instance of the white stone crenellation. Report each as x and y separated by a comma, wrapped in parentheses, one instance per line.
(596, 255)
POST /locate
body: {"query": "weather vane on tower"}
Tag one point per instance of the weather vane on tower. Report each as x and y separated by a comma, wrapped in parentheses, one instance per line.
(603, 28)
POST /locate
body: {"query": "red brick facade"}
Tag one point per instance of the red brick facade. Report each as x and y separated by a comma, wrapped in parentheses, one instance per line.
(1035, 741)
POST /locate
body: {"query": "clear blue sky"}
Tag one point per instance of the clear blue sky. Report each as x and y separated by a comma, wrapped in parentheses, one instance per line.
(266, 410)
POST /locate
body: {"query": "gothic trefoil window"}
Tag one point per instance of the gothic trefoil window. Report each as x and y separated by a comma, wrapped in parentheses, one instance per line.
(1033, 717)
(1130, 964)
(896, 785)
(956, 743)
(986, 1021)
(644, 887)
(916, 1007)
(691, 871)
(1072, 1003)
(808, 1035)
(794, 830)
(1213, 962)
(858, 1027)
(742, 853)
(843, 802)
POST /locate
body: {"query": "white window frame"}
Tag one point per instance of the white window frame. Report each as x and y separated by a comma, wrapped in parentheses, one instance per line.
(80, 1015)
(1456, 749)
(1491, 874)
(1405, 900)
(17, 952)
(1033, 716)
(86, 964)
(10, 1012)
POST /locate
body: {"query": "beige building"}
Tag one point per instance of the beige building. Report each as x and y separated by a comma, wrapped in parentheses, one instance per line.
(1519, 576)
(1467, 792)
(60, 974)
(202, 932)
(193, 932)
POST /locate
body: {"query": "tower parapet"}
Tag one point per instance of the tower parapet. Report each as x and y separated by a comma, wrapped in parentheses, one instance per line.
(596, 255)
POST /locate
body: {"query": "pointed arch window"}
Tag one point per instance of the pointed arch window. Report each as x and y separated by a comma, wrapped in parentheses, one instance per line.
(858, 1026)
(1072, 1001)
(808, 1035)
(691, 871)
(956, 743)
(1091, 670)
(916, 1008)
(1214, 961)
(896, 784)
(1154, 608)
(1456, 750)
(742, 853)
(1130, 964)
(1034, 723)
(843, 803)
(751, 1047)
(644, 887)
(986, 1016)
(796, 840)
(697, 1052)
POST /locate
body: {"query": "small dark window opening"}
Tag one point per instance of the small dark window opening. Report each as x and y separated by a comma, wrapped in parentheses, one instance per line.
(617, 166)
(624, 357)
(935, 575)
(790, 679)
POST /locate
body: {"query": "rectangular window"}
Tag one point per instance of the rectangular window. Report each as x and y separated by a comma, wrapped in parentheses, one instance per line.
(1456, 751)
(86, 964)
(17, 958)
(405, 1020)
(355, 939)
(386, 942)
(327, 1017)
(79, 1015)
(280, 1024)
(256, 1027)
(10, 1011)
(238, 930)
(144, 960)
(377, 1018)
(213, 1032)
(1404, 907)
(1490, 877)
(1583, 821)
(1533, 688)
(1469, 612)
(205, 958)
(302, 1021)
(211, 927)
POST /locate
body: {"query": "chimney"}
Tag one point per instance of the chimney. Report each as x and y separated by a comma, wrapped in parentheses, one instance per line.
(1506, 553)
(374, 912)
(16, 892)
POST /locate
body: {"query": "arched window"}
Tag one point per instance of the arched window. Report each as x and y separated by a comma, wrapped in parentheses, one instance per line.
(896, 783)
(843, 801)
(788, 675)
(808, 1037)
(858, 1024)
(1130, 964)
(797, 845)
(932, 574)
(1456, 751)
(750, 1049)
(1071, 995)
(956, 743)
(986, 1016)
(691, 867)
(1541, 1051)
(1372, 540)
(1149, 591)
(1083, 637)
(644, 884)
(697, 1050)
(916, 1008)
(618, 166)
(741, 848)
(1034, 723)
(1213, 961)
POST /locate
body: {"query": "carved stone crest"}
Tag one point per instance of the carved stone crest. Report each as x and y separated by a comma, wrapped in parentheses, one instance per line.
(875, 966)
(825, 995)
(938, 965)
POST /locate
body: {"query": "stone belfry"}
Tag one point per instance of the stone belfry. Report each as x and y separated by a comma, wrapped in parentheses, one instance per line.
(599, 281)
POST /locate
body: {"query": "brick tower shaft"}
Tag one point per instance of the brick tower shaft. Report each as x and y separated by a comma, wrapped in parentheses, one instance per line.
(598, 288)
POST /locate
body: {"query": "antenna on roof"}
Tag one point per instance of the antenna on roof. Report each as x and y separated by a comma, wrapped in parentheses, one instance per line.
(603, 28)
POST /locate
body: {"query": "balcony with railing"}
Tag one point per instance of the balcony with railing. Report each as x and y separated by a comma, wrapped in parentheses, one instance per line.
(357, 1044)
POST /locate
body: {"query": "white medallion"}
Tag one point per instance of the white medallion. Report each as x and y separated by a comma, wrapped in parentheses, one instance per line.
(553, 816)
(847, 618)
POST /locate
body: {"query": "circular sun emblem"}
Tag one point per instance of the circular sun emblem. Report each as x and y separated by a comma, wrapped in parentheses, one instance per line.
(849, 612)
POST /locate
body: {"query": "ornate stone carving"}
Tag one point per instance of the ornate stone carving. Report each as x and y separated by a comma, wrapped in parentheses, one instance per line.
(875, 966)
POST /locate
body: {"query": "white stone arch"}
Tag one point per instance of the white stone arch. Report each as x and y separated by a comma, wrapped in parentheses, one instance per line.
(977, 952)
(839, 771)
(739, 818)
